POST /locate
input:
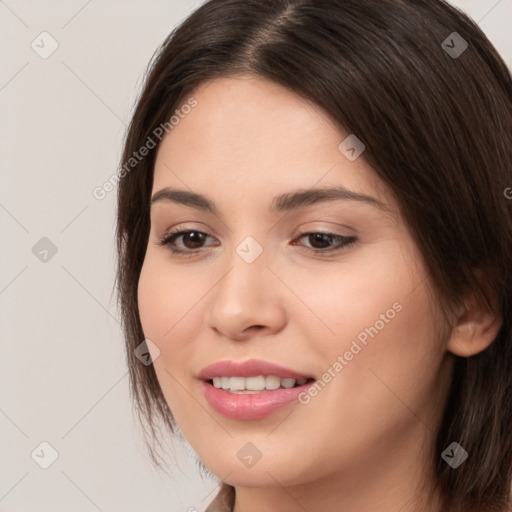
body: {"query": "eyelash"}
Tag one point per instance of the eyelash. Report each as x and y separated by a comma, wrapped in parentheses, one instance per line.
(345, 242)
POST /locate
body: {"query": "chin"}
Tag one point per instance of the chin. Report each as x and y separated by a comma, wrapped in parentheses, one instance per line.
(276, 470)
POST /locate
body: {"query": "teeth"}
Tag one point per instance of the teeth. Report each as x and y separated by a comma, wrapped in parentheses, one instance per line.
(255, 384)
(272, 382)
(288, 383)
(236, 383)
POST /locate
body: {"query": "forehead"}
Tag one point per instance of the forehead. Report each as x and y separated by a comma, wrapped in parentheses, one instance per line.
(260, 139)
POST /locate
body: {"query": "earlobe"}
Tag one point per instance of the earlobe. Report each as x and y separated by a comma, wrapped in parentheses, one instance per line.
(476, 328)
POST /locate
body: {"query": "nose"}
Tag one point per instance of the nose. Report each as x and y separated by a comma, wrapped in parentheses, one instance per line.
(248, 300)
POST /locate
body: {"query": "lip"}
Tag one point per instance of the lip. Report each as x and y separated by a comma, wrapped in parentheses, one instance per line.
(249, 368)
(250, 406)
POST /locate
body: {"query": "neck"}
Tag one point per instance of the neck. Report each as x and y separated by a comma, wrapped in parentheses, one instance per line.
(390, 481)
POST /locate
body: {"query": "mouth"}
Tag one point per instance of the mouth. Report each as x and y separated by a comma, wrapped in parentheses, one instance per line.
(251, 390)
(257, 384)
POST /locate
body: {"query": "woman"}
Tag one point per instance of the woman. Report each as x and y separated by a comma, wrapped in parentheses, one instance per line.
(315, 246)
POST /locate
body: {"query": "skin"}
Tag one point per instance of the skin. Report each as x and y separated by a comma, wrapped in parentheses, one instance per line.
(364, 442)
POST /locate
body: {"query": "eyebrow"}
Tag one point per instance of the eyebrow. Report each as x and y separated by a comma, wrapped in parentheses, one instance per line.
(285, 202)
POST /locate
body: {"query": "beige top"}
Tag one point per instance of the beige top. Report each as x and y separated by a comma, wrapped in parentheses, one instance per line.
(224, 501)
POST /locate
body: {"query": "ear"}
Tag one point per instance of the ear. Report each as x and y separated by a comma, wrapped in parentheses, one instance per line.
(477, 324)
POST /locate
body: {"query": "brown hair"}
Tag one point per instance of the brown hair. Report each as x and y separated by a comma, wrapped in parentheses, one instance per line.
(437, 127)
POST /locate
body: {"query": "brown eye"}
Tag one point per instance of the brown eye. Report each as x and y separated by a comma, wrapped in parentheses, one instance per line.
(191, 241)
(322, 242)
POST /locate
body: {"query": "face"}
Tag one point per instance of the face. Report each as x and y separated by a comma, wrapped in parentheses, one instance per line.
(328, 287)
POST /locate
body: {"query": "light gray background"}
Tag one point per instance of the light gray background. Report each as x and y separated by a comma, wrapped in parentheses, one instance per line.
(63, 377)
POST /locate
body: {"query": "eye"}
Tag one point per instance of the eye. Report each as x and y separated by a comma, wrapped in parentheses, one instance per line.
(192, 241)
(319, 240)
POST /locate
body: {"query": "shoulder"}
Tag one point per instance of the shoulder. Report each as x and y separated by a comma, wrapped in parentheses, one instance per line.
(224, 501)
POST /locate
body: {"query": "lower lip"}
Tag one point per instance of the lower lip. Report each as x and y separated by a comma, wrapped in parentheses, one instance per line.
(241, 406)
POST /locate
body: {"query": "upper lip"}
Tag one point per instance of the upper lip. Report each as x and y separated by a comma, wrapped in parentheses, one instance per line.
(249, 368)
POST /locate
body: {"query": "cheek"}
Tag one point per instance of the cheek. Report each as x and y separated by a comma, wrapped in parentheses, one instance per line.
(153, 301)
(382, 324)
(169, 320)
(166, 307)
(391, 371)
(361, 299)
